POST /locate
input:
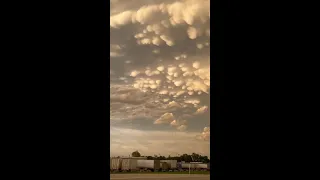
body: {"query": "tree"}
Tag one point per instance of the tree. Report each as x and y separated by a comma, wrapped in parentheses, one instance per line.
(195, 157)
(162, 157)
(149, 157)
(135, 154)
(188, 158)
(204, 159)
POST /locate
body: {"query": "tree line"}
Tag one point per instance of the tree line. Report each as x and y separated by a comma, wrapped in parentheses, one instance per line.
(194, 157)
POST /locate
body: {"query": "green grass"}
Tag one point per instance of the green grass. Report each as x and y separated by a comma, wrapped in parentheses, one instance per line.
(183, 172)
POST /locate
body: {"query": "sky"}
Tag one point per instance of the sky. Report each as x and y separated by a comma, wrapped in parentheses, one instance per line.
(159, 77)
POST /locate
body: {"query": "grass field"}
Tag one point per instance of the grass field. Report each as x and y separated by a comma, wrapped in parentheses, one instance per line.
(183, 172)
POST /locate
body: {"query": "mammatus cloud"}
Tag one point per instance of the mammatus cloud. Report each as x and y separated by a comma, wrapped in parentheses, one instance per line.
(167, 118)
(182, 127)
(160, 64)
(202, 110)
(205, 135)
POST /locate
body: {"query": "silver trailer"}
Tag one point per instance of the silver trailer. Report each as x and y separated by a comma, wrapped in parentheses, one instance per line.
(115, 163)
(201, 166)
(187, 165)
(172, 163)
(129, 164)
(148, 164)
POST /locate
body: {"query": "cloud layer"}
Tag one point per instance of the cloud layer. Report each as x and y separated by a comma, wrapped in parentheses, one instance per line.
(160, 66)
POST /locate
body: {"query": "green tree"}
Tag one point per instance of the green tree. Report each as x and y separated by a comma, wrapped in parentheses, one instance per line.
(162, 157)
(149, 157)
(136, 154)
(205, 159)
(186, 158)
(195, 157)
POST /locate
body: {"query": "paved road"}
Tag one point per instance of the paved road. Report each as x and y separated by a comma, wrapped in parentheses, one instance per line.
(158, 177)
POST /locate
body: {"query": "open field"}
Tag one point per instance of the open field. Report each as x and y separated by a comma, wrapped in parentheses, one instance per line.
(159, 176)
